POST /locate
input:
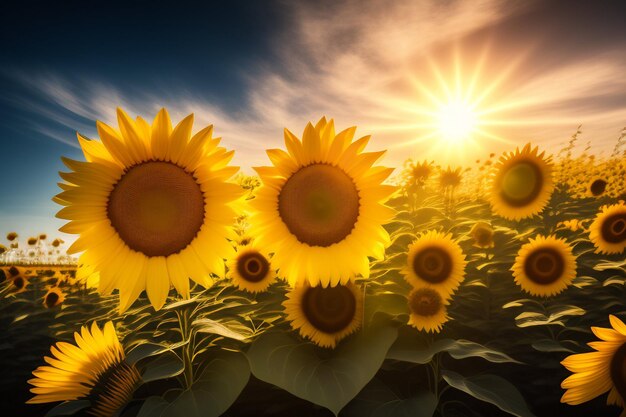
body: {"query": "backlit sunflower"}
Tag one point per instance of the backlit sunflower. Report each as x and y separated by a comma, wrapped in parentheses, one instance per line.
(321, 201)
(522, 184)
(450, 178)
(608, 230)
(325, 314)
(19, 284)
(93, 369)
(595, 373)
(151, 205)
(427, 308)
(482, 233)
(53, 297)
(436, 261)
(11, 236)
(597, 187)
(544, 266)
(3, 249)
(250, 269)
(32, 241)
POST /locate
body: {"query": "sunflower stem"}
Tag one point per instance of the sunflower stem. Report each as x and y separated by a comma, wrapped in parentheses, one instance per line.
(184, 323)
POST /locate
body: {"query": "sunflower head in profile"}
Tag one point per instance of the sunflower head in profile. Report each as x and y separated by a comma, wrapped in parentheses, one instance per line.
(11, 236)
(3, 249)
(93, 369)
(597, 187)
(482, 233)
(595, 373)
(53, 297)
(544, 266)
(450, 178)
(32, 241)
(436, 261)
(322, 199)
(325, 315)
(57, 242)
(427, 309)
(608, 230)
(250, 269)
(152, 206)
(521, 184)
(43, 236)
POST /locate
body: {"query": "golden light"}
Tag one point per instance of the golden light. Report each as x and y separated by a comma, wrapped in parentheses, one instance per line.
(456, 121)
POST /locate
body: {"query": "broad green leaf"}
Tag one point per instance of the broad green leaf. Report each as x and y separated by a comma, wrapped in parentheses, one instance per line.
(549, 345)
(164, 366)
(212, 326)
(492, 389)
(330, 378)
(68, 408)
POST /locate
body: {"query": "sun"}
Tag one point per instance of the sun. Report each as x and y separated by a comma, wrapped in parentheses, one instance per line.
(456, 120)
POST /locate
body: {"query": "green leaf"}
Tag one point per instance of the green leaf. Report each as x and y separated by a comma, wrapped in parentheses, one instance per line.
(143, 351)
(212, 393)
(378, 400)
(492, 389)
(215, 327)
(68, 408)
(411, 348)
(329, 378)
(549, 345)
(165, 366)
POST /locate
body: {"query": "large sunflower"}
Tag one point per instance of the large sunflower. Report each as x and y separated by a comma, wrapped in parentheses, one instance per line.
(250, 269)
(427, 307)
(521, 184)
(598, 372)
(93, 369)
(544, 266)
(325, 314)
(435, 260)
(608, 230)
(321, 201)
(151, 205)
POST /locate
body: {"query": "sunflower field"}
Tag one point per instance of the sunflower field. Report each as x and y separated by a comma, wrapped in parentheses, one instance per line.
(326, 285)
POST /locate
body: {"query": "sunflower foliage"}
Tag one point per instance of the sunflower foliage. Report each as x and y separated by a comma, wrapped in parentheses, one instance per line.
(446, 291)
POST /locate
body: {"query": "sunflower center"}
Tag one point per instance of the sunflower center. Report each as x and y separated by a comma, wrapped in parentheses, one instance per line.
(598, 187)
(330, 309)
(521, 184)
(13, 271)
(319, 204)
(157, 208)
(613, 228)
(425, 302)
(432, 264)
(483, 237)
(19, 283)
(544, 266)
(252, 266)
(51, 299)
(113, 389)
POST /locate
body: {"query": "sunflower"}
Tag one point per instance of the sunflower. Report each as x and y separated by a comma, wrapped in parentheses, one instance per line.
(450, 178)
(32, 241)
(544, 266)
(325, 314)
(435, 260)
(608, 230)
(521, 184)
(597, 187)
(43, 236)
(3, 249)
(151, 206)
(482, 233)
(57, 242)
(11, 236)
(322, 200)
(53, 297)
(250, 269)
(93, 369)
(598, 372)
(427, 308)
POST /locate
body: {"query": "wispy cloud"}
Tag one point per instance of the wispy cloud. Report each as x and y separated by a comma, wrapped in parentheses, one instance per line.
(356, 61)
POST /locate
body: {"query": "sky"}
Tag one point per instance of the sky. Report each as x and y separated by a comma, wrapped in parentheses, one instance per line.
(530, 71)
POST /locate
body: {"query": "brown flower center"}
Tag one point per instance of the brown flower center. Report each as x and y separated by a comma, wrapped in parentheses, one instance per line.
(13, 271)
(157, 208)
(19, 283)
(618, 370)
(544, 266)
(252, 266)
(432, 264)
(521, 184)
(330, 309)
(425, 302)
(51, 299)
(598, 187)
(613, 228)
(483, 236)
(319, 204)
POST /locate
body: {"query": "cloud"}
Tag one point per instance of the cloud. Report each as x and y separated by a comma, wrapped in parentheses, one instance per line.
(358, 61)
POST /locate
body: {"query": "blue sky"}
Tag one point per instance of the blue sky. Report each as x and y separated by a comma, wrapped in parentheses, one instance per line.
(254, 67)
